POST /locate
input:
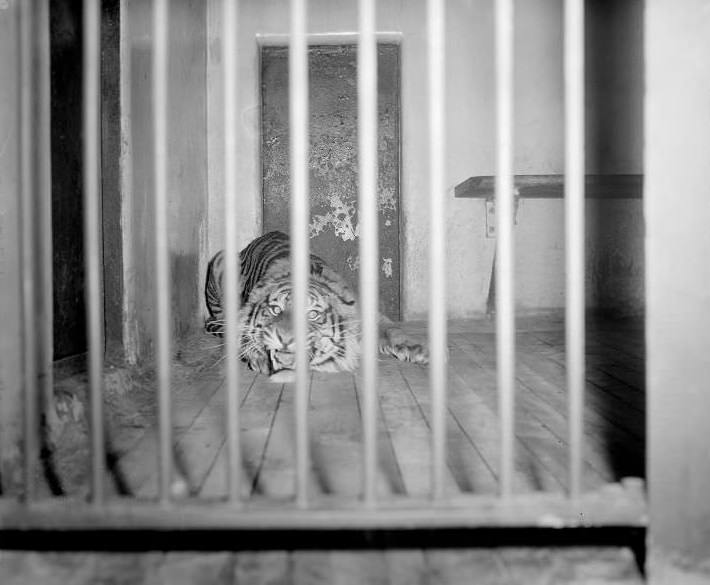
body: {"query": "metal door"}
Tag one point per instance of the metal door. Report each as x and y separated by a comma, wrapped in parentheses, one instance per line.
(334, 226)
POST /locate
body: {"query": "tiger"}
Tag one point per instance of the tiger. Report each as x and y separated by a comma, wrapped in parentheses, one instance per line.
(265, 315)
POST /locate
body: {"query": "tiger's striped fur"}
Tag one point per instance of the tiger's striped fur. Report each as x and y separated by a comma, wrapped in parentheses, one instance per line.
(267, 344)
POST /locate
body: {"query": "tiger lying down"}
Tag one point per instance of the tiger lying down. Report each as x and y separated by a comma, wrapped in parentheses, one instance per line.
(267, 342)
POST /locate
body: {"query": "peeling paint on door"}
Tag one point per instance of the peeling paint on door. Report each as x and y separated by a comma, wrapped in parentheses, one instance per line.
(334, 225)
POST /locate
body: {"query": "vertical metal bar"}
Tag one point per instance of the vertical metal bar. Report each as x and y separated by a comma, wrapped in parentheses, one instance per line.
(162, 269)
(92, 242)
(43, 217)
(231, 273)
(505, 288)
(298, 111)
(28, 220)
(437, 247)
(574, 231)
(369, 245)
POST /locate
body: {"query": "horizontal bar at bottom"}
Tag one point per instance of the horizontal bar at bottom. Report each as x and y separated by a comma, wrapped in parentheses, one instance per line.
(130, 540)
(612, 505)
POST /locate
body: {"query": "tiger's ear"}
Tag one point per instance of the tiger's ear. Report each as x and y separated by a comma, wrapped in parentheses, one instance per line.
(317, 266)
(343, 293)
(347, 297)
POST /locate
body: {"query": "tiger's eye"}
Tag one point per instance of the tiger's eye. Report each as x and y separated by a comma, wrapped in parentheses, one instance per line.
(314, 315)
(275, 309)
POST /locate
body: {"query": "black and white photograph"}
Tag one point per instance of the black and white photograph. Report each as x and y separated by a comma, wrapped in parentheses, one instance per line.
(354, 292)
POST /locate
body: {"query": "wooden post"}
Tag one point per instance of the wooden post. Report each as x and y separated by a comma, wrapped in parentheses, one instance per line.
(10, 358)
(677, 213)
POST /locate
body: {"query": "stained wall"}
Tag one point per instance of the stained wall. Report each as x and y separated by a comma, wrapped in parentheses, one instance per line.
(614, 126)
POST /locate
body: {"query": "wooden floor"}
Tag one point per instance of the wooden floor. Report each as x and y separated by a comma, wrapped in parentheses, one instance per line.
(613, 430)
(613, 419)
(511, 566)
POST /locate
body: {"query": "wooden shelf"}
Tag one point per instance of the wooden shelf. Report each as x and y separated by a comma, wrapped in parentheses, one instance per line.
(552, 187)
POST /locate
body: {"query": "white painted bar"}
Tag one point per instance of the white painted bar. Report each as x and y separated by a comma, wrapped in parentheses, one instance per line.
(43, 156)
(574, 232)
(92, 238)
(505, 284)
(623, 505)
(162, 268)
(300, 264)
(369, 241)
(436, 37)
(232, 295)
(28, 251)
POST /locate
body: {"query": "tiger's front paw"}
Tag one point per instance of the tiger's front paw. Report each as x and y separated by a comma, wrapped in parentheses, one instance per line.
(407, 351)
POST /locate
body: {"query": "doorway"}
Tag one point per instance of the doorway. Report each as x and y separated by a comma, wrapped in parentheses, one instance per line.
(69, 282)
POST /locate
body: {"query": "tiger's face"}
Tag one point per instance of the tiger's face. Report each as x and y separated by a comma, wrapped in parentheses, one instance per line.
(268, 344)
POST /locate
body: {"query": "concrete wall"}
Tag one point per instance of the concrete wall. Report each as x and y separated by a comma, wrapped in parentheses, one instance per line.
(677, 210)
(187, 171)
(614, 127)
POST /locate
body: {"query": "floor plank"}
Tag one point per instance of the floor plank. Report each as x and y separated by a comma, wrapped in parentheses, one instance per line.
(447, 567)
(614, 425)
(535, 417)
(597, 404)
(336, 434)
(138, 465)
(617, 431)
(406, 567)
(257, 414)
(474, 395)
(198, 449)
(472, 446)
(311, 568)
(276, 475)
(406, 415)
(262, 568)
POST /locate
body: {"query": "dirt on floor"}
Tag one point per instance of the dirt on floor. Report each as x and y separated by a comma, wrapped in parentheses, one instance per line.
(130, 401)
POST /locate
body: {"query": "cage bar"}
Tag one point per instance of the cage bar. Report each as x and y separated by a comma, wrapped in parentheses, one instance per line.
(437, 247)
(43, 157)
(504, 261)
(231, 271)
(162, 268)
(92, 241)
(369, 245)
(574, 233)
(298, 112)
(28, 254)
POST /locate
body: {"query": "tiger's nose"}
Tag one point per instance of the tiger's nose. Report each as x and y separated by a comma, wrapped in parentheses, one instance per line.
(286, 358)
(285, 338)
